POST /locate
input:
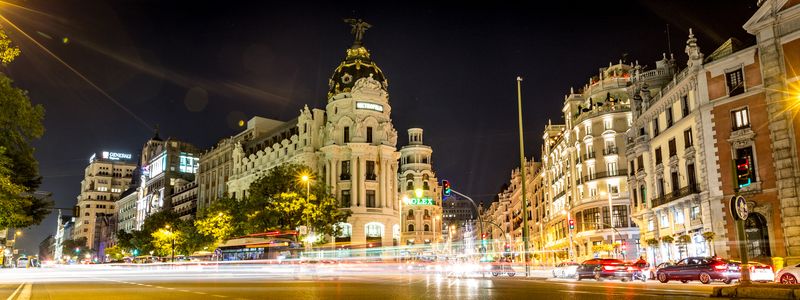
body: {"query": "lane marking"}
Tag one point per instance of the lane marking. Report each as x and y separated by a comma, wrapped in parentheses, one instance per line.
(26, 292)
(14, 294)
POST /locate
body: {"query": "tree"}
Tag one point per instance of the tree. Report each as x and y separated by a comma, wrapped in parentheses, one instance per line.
(191, 240)
(20, 124)
(278, 201)
(142, 240)
(116, 252)
(165, 241)
(221, 220)
(603, 247)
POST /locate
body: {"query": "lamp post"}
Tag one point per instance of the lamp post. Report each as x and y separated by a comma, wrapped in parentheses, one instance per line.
(172, 235)
(522, 175)
(569, 253)
(310, 236)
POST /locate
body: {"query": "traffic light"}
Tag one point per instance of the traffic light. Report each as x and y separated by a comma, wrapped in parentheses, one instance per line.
(507, 248)
(135, 252)
(77, 249)
(743, 172)
(446, 188)
(571, 224)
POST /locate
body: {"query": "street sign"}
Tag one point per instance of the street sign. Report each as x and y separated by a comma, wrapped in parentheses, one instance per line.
(739, 208)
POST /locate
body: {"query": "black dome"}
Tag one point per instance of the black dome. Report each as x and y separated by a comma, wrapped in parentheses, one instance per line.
(355, 66)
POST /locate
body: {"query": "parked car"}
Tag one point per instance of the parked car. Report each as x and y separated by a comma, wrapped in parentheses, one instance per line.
(704, 269)
(788, 275)
(565, 269)
(654, 270)
(758, 272)
(22, 262)
(502, 266)
(604, 268)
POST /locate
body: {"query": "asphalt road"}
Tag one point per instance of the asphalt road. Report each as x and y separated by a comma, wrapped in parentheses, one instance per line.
(261, 283)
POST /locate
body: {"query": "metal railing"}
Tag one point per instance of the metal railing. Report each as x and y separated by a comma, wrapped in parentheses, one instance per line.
(675, 195)
(610, 150)
(600, 175)
(588, 156)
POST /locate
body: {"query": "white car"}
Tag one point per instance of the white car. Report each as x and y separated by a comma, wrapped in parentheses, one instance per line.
(565, 270)
(788, 275)
(761, 273)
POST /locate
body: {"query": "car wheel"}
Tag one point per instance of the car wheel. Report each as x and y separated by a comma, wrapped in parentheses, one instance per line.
(663, 278)
(684, 281)
(727, 281)
(597, 277)
(788, 279)
(705, 278)
(652, 275)
(624, 280)
(495, 274)
(511, 274)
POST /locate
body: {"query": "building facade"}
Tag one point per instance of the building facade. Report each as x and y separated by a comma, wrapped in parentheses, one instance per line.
(164, 162)
(184, 199)
(351, 145)
(64, 225)
(105, 178)
(421, 221)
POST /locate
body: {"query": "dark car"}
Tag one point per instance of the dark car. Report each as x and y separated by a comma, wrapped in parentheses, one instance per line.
(704, 269)
(654, 270)
(603, 268)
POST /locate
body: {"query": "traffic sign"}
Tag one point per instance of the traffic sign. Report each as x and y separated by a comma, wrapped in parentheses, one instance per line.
(739, 208)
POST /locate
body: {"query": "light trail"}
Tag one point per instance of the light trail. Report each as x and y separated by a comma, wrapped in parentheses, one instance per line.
(79, 74)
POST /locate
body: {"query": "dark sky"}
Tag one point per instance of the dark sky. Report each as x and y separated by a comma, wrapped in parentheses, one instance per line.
(451, 70)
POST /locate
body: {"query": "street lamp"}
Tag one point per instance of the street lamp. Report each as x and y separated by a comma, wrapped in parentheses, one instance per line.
(172, 235)
(310, 238)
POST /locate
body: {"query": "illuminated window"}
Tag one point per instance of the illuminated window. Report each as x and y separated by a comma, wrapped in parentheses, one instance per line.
(740, 118)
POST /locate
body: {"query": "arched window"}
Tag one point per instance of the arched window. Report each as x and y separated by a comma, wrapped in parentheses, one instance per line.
(410, 212)
(755, 227)
(374, 230)
(427, 227)
(427, 214)
(410, 227)
(346, 229)
(425, 185)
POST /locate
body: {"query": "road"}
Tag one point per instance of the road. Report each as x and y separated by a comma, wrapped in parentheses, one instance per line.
(264, 282)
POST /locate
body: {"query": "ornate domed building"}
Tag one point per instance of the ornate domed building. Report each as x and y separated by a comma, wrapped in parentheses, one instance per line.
(351, 145)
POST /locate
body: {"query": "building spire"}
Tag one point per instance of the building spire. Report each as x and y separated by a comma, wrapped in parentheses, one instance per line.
(155, 136)
(692, 49)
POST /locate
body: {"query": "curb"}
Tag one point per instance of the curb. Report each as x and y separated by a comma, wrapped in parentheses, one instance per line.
(757, 292)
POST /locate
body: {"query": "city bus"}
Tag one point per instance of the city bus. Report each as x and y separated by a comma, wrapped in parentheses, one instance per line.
(277, 244)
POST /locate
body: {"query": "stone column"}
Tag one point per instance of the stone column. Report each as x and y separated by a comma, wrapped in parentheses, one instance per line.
(354, 200)
(362, 188)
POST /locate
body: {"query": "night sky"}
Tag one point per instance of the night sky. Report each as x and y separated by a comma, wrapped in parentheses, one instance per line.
(196, 69)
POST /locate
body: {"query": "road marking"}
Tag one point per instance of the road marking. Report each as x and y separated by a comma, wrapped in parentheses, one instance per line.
(14, 294)
(219, 296)
(26, 292)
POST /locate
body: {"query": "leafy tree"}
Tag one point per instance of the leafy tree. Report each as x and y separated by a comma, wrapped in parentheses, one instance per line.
(116, 252)
(191, 240)
(278, 201)
(223, 219)
(165, 240)
(20, 124)
(142, 240)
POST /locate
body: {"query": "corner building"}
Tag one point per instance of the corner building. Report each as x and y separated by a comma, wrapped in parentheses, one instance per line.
(351, 145)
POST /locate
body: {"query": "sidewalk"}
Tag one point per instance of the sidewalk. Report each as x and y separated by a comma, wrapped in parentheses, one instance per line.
(758, 291)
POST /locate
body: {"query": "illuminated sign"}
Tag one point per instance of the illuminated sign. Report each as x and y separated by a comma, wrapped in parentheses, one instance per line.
(370, 106)
(420, 201)
(91, 158)
(116, 156)
(157, 165)
(188, 163)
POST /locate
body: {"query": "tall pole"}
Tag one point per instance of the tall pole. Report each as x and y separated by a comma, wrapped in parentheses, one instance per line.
(477, 211)
(308, 202)
(571, 246)
(611, 220)
(522, 173)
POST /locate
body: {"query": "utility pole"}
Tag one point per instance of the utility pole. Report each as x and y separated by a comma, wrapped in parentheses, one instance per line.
(522, 172)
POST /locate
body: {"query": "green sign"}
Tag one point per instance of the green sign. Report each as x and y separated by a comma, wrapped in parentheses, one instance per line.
(421, 201)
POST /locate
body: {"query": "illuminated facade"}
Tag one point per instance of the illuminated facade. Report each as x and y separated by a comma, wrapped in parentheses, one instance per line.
(105, 178)
(421, 195)
(163, 163)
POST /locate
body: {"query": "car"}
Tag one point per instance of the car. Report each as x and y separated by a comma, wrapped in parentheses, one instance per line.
(704, 269)
(788, 275)
(654, 270)
(604, 268)
(761, 272)
(565, 269)
(22, 262)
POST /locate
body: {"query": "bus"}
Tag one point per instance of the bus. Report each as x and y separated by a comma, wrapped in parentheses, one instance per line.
(276, 244)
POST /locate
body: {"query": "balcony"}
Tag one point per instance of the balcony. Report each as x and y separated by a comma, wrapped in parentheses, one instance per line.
(675, 195)
(345, 176)
(559, 195)
(610, 151)
(372, 177)
(588, 156)
(600, 175)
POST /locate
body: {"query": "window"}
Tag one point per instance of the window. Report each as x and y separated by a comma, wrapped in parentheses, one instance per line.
(687, 138)
(88, 205)
(346, 137)
(425, 186)
(590, 172)
(345, 170)
(669, 116)
(679, 216)
(410, 227)
(658, 156)
(620, 216)
(673, 149)
(740, 118)
(345, 198)
(747, 153)
(606, 216)
(612, 168)
(643, 195)
(588, 129)
(664, 220)
(369, 134)
(592, 192)
(86, 214)
(611, 148)
(374, 230)
(655, 127)
(651, 225)
(735, 81)
(371, 170)
(694, 213)
(613, 189)
(608, 124)
(685, 106)
(411, 213)
(640, 163)
(371, 198)
(427, 227)
(675, 182)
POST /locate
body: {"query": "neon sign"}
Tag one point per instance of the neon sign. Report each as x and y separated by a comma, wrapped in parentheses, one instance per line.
(369, 106)
(116, 156)
(420, 201)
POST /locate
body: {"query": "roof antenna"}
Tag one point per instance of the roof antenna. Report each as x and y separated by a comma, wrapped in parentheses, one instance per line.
(669, 44)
